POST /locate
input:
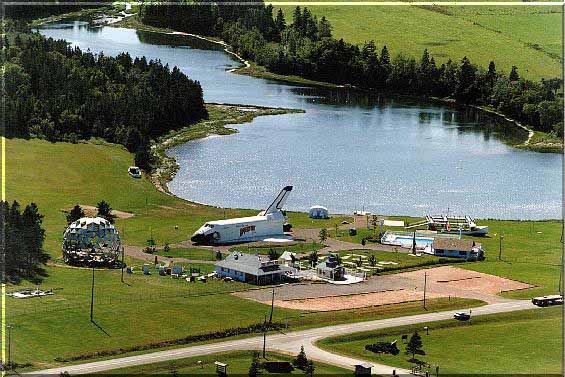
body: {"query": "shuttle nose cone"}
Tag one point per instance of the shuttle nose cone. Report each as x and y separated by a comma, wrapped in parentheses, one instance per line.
(197, 238)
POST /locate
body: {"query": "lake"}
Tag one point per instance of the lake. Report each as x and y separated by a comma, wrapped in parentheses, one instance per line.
(348, 151)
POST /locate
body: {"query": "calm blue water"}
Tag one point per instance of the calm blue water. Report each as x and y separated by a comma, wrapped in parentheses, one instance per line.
(347, 151)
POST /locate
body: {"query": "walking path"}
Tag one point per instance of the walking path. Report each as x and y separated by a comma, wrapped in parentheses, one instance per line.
(287, 343)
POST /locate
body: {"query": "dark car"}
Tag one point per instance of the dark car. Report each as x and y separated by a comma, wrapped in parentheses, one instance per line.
(462, 316)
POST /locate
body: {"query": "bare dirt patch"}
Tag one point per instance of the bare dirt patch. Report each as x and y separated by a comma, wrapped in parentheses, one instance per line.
(445, 281)
(354, 301)
(92, 211)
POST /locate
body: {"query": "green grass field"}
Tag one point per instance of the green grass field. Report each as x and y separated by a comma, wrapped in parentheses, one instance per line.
(238, 364)
(189, 253)
(294, 247)
(524, 342)
(526, 36)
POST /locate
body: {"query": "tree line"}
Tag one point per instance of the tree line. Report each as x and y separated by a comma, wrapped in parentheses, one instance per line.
(45, 9)
(58, 92)
(305, 46)
(23, 236)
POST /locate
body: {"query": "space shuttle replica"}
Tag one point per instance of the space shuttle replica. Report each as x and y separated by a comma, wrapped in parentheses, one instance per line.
(268, 224)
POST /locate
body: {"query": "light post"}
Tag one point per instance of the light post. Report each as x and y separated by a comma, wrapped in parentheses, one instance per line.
(501, 238)
(425, 283)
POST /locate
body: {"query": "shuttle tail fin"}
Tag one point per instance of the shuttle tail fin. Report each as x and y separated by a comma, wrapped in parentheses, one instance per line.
(278, 203)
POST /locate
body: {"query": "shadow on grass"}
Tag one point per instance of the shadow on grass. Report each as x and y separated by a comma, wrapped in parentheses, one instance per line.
(100, 327)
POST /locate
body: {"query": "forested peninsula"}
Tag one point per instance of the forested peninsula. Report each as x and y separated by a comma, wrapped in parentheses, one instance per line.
(60, 93)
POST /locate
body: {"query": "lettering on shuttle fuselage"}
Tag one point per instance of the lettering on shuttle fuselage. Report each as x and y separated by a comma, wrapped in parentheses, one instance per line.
(246, 229)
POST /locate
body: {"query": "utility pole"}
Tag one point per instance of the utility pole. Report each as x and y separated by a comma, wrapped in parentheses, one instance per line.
(123, 236)
(122, 264)
(425, 284)
(272, 307)
(501, 237)
(264, 335)
(92, 297)
(9, 327)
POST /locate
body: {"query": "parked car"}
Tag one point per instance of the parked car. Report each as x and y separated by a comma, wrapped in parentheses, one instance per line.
(462, 316)
(134, 172)
(548, 300)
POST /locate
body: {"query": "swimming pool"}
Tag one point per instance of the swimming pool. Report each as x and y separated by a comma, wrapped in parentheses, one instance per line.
(406, 239)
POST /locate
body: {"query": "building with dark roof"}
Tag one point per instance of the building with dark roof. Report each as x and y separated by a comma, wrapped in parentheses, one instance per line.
(250, 268)
(460, 248)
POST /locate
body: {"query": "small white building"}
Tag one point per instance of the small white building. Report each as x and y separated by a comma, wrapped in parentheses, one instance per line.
(457, 248)
(318, 212)
(287, 259)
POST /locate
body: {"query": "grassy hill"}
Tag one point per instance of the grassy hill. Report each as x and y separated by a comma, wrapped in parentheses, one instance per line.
(526, 36)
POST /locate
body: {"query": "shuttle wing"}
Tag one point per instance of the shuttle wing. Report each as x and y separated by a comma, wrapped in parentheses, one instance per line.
(278, 203)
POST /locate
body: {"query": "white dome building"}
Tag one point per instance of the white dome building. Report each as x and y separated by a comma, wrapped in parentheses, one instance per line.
(91, 241)
(318, 212)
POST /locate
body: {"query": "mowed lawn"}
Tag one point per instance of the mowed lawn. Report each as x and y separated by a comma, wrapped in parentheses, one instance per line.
(238, 364)
(143, 310)
(524, 342)
(506, 34)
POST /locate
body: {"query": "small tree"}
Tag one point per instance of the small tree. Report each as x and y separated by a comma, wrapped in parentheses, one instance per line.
(309, 370)
(414, 346)
(255, 367)
(166, 249)
(372, 260)
(105, 211)
(301, 361)
(323, 235)
(313, 258)
(75, 214)
(514, 74)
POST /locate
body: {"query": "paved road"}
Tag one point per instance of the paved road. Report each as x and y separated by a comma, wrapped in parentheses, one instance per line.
(288, 343)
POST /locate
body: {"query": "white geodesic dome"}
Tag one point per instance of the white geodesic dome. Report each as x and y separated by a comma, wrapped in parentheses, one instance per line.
(91, 240)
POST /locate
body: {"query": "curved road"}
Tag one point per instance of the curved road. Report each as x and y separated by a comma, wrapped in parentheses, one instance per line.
(288, 343)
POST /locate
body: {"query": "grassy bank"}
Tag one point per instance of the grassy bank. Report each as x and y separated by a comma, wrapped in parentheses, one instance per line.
(483, 346)
(238, 364)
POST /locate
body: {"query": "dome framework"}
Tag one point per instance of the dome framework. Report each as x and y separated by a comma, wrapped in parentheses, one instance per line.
(92, 241)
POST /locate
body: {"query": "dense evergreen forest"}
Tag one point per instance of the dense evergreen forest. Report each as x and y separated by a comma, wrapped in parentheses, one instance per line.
(304, 46)
(23, 237)
(58, 92)
(35, 10)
